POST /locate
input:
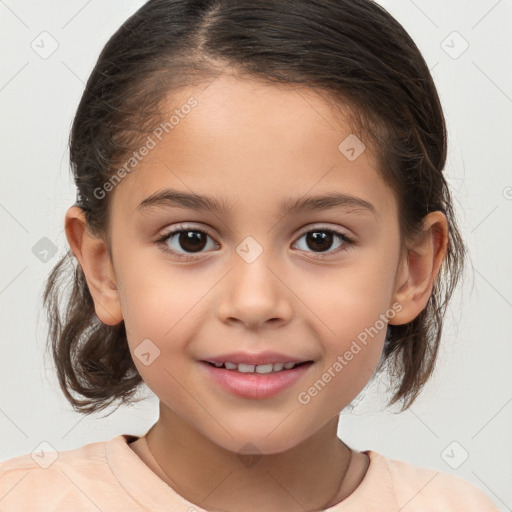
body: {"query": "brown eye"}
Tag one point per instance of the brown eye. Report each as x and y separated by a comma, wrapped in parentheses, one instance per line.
(183, 242)
(321, 240)
(192, 241)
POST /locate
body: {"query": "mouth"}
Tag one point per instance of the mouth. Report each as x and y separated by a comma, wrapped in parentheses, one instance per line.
(261, 369)
(255, 381)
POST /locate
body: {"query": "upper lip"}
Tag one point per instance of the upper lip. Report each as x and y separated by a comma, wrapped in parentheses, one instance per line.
(255, 358)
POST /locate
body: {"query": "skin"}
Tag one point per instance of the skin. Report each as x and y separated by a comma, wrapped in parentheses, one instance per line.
(255, 144)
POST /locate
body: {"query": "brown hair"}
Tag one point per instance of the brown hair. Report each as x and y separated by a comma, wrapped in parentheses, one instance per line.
(352, 51)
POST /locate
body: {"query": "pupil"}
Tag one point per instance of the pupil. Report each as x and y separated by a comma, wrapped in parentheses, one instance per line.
(321, 241)
(190, 241)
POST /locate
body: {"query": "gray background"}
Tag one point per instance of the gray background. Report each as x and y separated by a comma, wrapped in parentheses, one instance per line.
(461, 423)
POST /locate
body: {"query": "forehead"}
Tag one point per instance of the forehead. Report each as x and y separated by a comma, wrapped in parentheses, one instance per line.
(255, 143)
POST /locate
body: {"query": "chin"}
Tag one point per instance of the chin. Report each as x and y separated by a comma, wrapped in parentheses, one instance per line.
(254, 441)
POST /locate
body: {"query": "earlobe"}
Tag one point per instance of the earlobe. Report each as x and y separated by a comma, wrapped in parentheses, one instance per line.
(417, 275)
(93, 256)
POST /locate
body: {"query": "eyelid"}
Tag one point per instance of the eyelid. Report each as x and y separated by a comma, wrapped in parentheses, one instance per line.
(319, 226)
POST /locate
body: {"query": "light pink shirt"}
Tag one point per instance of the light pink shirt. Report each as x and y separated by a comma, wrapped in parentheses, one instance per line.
(109, 477)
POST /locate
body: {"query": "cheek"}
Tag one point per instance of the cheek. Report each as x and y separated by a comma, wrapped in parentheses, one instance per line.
(167, 309)
(347, 367)
(155, 294)
(351, 307)
(346, 301)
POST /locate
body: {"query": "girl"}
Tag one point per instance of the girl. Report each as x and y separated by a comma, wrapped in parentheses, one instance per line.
(301, 150)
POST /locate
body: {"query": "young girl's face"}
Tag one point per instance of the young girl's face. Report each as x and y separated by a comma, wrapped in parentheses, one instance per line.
(260, 280)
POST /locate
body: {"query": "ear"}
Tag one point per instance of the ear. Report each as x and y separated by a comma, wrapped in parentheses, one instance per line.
(419, 268)
(93, 256)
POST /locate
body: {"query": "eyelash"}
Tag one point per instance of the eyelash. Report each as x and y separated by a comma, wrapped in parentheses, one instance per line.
(161, 241)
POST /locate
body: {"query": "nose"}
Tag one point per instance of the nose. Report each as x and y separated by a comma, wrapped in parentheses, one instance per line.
(253, 294)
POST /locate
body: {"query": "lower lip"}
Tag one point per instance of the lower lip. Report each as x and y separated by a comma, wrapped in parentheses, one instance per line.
(255, 385)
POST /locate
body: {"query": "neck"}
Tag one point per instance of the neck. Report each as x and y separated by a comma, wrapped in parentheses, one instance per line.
(309, 476)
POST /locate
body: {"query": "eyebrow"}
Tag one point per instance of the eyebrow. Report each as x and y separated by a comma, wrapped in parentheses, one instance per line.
(178, 199)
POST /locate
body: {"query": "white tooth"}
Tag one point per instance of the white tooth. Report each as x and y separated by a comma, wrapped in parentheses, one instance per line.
(288, 366)
(230, 366)
(218, 365)
(246, 368)
(264, 368)
(278, 367)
